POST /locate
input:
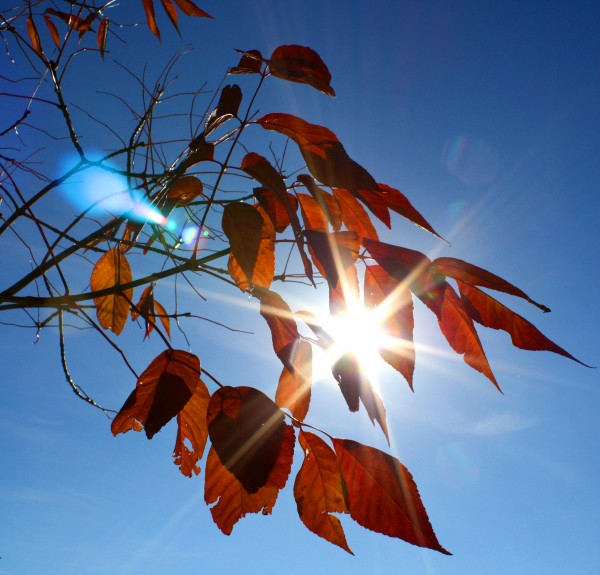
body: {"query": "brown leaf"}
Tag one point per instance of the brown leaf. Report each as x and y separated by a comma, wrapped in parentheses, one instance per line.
(171, 12)
(354, 216)
(243, 226)
(247, 431)
(200, 151)
(280, 320)
(233, 501)
(191, 427)
(53, 30)
(383, 292)
(489, 312)
(264, 267)
(102, 35)
(151, 17)
(190, 9)
(110, 271)
(294, 387)
(72, 20)
(458, 329)
(303, 65)
(382, 495)
(333, 252)
(184, 190)
(398, 202)
(274, 208)
(149, 309)
(227, 108)
(34, 37)
(475, 276)
(161, 392)
(250, 63)
(319, 490)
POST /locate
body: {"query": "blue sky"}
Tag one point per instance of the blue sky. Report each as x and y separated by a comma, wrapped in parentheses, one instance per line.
(485, 114)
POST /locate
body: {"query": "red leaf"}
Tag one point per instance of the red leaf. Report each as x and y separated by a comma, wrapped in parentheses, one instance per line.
(161, 392)
(247, 431)
(243, 226)
(151, 17)
(233, 501)
(303, 65)
(192, 428)
(171, 12)
(264, 267)
(312, 215)
(398, 202)
(294, 387)
(275, 209)
(112, 270)
(34, 37)
(393, 299)
(227, 108)
(489, 312)
(281, 322)
(250, 63)
(102, 35)
(458, 329)
(53, 30)
(319, 490)
(354, 216)
(328, 205)
(476, 276)
(190, 9)
(382, 495)
(333, 252)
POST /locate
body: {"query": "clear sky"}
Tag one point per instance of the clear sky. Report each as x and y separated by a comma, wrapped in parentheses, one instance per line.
(486, 115)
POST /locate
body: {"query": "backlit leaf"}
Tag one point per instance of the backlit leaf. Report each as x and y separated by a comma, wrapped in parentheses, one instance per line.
(190, 9)
(294, 387)
(333, 252)
(303, 65)
(102, 35)
(489, 312)
(151, 310)
(383, 292)
(345, 292)
(354, 216)
(112, 270)
(34, 37)
(326, 202)
(264, 267)
(53, 30)
(171, 12)
(185, 190)
(312, 214)
(247, 431)
(457, 327)
(382, 495)
(319, 490)
(227, 108)
(161, 392)
(243, 226)
(274, 208)
(250, 63)
(151, 17)
(192, 429)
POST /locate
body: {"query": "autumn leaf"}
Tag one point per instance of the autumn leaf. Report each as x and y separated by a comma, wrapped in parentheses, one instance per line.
(312, 214)
(200, 151)
(171, 12)
(184, 190)
(34, 37)
(161, 392)
(53, 30)
(345, 292)
(328, 205)
(233, 501)
(151, 17)
(274, 208)
(102, 35)
(457, 327)
(247, 431)
(227, 108)
(354, 216)
(250, 63)
(190, 9)
(192, 429)
(264, 267)
(489, 312)
(319, 490)
(150, 309)
(393, 299)
(332, 252)
(112, 270)
(294, 387)
(243, 226)
(382, 495)
(303, 65)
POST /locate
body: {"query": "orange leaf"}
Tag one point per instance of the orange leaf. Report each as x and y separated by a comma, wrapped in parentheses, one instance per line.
(312, 214)
(280, 320)
(36, 44)
(303, 65)
(149, 308)
(171, 12)
(345, 291)
(151, 17)
(233, 501)
(354, 216)
(72, 20)
(247, 431)
(191, 427)
(457, 327)
(184, 190)
(489, 312)
(53, 30)
(161, 392)
(385, 293)
(475, 276)
(275, 209)
(319, 490)
(190, 9)
(327, 203)
(333, 252)
(264, 268)
(243, 226)
(110, 271)
(250, 63)
(227, 108)
(294, 387)
(382, 495)
(102, 35)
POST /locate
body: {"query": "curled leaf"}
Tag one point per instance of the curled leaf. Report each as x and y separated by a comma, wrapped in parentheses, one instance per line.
(250, 63)
(34, 37)
(227, 108)
(102, 35)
